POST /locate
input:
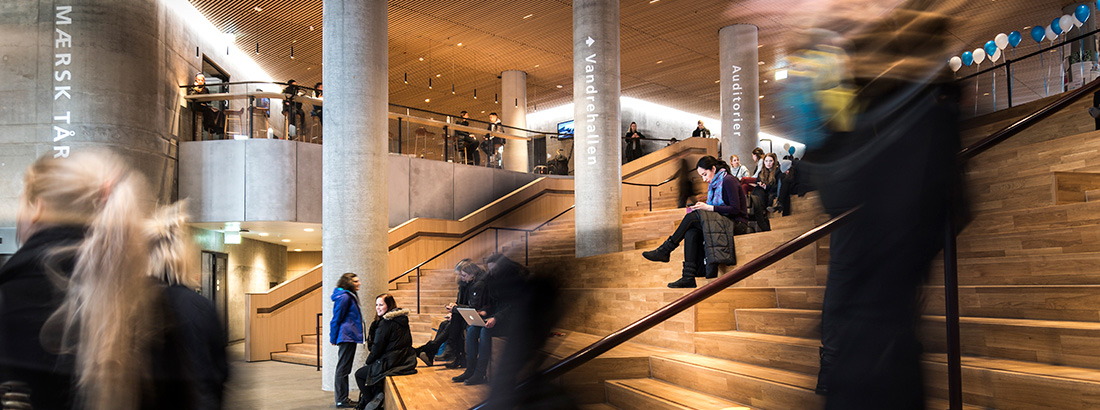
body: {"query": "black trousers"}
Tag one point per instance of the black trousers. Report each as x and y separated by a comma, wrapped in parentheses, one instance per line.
(343, 369)
(760, 208)
(690, 232)
(450, 331)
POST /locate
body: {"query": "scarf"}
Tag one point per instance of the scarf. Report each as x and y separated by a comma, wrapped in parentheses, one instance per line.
(714, 189)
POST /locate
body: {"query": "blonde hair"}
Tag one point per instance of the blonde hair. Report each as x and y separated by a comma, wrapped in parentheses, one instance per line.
(171, 254)
(105, 318)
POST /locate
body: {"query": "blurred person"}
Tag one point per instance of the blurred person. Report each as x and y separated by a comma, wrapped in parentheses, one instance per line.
(190, 357)
(888, 145)
(765, 189)
(708, 228)
(633, 143)
(391, 353)
(466, 271)
(75, 307)
(700, 131)
(685, 186)
(489, 296)
(559, 164)
(346, 332)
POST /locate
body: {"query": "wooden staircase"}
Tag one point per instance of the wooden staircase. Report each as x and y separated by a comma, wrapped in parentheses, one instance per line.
(299, 353)
(1029, 296)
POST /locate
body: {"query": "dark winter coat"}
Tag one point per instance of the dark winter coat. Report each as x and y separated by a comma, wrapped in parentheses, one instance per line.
(347, 320)
(390, 344)
(27, 298)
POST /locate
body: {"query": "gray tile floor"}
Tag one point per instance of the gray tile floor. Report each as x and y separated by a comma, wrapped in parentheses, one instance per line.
(273, 385)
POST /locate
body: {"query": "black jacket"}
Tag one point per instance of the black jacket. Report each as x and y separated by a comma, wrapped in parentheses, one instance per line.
(390, 344)
(27, 298)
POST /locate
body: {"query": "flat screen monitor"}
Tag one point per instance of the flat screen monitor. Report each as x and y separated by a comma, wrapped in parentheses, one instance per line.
(565, 130)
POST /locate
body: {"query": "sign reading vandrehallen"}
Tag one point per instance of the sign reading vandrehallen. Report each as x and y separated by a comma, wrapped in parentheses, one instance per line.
(63, 65)
(597, 147)
(740, 92)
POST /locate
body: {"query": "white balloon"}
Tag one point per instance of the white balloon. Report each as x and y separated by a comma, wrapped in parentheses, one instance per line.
(1066, 22)
(1001, 40)
(1050, 34)
(979, 56)
(996, 56)
(955, 63)
(1076, 23)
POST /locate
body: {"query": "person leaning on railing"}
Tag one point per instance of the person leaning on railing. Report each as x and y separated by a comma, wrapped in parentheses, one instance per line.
(708, 227)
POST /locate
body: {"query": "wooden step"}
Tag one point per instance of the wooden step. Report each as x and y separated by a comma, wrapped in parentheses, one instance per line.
(302, 348)
(752, 385)
(1046, 302)
(781, 322)
(1011, 384)
(296, 358)
(794, 354)
(1038, 269)
(646, 394)
(1043, 341)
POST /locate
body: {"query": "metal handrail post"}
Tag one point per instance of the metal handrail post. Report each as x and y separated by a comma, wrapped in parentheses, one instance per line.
(1008, 72)
(399, 135)
(526, 247)
(651, 199)
(319, 342)
(496, 240)
(951, 303)
(417, 289)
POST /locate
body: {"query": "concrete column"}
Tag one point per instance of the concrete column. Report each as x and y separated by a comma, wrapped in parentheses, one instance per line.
(740, 82)
(597, 147)
(513, 112)
(355, 202)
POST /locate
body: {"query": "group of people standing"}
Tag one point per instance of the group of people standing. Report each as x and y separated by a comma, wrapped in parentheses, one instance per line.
(488, 144)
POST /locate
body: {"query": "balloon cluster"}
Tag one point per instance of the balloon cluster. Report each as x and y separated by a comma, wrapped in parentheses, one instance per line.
(992, 49)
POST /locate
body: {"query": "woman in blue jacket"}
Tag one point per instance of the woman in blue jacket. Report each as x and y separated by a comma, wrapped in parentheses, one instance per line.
(345, 331)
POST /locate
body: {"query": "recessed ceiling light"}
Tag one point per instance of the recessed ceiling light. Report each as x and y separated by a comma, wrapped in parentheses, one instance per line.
(660, 61)
(421, 58)
(760, 63)
(761, 97)
(527, 16)
(459, 44)
(438, 75)
(483, 111)
(308, 229)
(537, 65)
(297, 250)
(717, 81)
(759, 46)
(286, 240)
(427, 100)
(263, 234)
(310, 28)
(986, 94)
(765, 81)
(257, 9)
(653, 1)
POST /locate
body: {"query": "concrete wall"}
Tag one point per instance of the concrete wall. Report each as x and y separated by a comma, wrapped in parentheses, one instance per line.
(253, 265)
(116, 85)
(278, 180)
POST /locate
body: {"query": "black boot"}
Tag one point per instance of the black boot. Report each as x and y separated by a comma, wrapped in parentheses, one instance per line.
(712, 270)
(687, 280)
(662, 253)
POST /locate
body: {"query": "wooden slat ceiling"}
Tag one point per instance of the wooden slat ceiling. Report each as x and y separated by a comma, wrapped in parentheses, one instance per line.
(495, 37)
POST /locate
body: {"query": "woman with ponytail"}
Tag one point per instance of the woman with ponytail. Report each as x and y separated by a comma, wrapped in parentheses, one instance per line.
(708, 228)
(73, 300)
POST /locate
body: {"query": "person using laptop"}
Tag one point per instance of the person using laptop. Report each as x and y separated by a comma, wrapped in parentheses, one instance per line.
(487, 299)
(467, 271)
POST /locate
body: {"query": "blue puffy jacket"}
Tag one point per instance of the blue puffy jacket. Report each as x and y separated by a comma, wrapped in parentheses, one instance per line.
(347, 321)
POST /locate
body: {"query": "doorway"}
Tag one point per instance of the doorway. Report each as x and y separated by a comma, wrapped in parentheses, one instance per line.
(215, 267)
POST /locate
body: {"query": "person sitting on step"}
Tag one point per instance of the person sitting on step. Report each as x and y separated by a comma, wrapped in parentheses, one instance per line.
(391, 353)
(709, 224)
(454, 329)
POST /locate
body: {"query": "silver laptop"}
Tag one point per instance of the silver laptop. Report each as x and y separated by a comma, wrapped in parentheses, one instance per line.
(471, 316)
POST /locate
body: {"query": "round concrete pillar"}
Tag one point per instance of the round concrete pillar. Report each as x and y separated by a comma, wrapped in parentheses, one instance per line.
(740, 82)
(355, 204)
(597, 147)
(513, 112)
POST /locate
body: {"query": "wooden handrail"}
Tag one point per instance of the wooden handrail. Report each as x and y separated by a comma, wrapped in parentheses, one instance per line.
(763, 261)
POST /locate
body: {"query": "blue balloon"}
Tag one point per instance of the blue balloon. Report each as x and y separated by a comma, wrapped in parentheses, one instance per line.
(990, 48)
(791, 150)
(1014, 38)
(968, 57)
(1056, 26)
(1039, 32)
(1082, 13)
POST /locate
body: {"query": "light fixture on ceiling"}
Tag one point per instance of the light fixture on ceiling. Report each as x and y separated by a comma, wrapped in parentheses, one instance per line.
(761, 97)
(780, 75)
(560, 86)
(427, 100)
(308, 229)
(406, 78)
(495, 100)
(291, 52)
(528, 16)
(459, 44)
(257, 48)
(660, 61)
(286, 240)
(517, 102)
(760, 63)
(653, 1)
(452, 88)
(257, 9)
(438, 75)
(421, 58)
(297, 250)
(310, 28)
(429, 83)
(263, 234)
(475, 93)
